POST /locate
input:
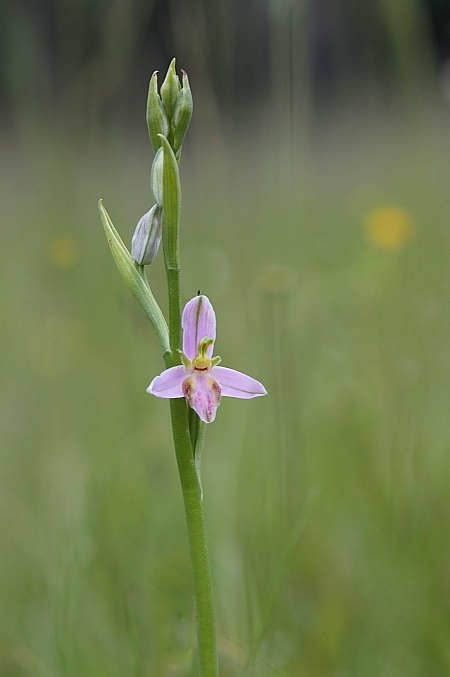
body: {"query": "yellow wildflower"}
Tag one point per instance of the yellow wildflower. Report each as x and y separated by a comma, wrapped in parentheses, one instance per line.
(63, 251)
(388, 227)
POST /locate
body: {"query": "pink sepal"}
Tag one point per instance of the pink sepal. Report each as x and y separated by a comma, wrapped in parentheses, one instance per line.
(236, 384)
(198, 322)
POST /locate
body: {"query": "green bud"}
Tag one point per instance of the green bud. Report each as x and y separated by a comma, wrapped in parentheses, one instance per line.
(170, 89)
(156, 176)
(147, 237)
(182, 114)
(157, 120)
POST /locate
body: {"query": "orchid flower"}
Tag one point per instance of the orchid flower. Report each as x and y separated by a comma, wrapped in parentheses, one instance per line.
(199, 379)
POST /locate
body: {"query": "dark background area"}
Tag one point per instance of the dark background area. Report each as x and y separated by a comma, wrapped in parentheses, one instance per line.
(97, 55)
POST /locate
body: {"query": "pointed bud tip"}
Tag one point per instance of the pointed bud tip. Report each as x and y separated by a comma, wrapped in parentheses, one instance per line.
(170, 89)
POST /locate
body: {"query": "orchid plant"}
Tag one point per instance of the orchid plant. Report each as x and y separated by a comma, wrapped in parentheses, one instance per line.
(193, 380)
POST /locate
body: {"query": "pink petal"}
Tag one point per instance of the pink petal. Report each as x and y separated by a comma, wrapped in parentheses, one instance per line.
(203, 395)
(235, 384)
(168, 384)
(198, 322)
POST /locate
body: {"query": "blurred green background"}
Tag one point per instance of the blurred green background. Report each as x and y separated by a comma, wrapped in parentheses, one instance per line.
(315, 216)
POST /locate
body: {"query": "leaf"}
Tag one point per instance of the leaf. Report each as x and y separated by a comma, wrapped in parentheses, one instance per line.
(134, 276)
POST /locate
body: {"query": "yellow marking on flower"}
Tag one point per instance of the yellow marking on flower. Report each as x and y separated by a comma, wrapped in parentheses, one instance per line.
(201, 362)
(388, 227)
(63, 251)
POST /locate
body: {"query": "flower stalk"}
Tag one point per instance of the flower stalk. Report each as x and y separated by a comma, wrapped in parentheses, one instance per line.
(192, 380)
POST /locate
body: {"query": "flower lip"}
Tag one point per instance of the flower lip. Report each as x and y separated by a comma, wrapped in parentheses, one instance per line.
(202, 393)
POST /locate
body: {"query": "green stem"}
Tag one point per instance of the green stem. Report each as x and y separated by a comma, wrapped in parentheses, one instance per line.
(185, 448)
(173, 287)
(193, 506)
(198, 449)
(197, 432)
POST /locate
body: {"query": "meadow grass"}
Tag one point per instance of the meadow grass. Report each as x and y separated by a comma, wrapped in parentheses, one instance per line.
(327, 502)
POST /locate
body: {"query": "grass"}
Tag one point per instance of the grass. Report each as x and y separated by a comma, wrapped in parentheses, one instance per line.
(327, 501)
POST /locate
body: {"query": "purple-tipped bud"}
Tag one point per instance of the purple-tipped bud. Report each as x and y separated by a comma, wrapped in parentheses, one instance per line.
(182, 114)
(147, 237)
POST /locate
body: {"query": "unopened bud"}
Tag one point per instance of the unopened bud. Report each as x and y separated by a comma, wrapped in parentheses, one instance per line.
(157, 120)
(156, 176)
(170, 89)
(182, 114)
(147, 237)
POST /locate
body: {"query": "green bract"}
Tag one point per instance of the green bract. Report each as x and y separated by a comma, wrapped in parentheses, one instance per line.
(171, 203)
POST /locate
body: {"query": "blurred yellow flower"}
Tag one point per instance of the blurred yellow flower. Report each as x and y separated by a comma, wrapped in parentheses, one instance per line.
(388, 227)
(63, 251)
